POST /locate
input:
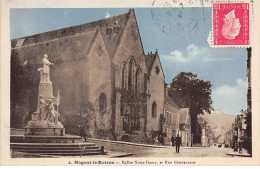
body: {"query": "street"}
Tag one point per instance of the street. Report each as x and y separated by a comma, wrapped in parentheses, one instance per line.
(184, 152)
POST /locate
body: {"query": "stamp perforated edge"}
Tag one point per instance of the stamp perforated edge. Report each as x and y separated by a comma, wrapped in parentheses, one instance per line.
(210, 39)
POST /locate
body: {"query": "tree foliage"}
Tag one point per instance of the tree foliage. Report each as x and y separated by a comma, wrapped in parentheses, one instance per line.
(188, 91)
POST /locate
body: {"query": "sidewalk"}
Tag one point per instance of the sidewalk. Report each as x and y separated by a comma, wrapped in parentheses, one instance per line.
(236, 153)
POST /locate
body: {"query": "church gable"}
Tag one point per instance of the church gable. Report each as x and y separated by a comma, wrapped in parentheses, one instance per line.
(130, 44)
(99, 83)
(156, 68)
(98, 51)
(99, 68)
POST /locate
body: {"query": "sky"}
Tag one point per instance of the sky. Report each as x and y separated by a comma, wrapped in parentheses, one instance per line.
(179, 34)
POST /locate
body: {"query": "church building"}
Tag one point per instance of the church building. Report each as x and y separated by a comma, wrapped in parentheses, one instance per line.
(106, 82)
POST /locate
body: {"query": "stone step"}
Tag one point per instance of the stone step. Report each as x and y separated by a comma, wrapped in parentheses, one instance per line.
(44, 139)
(79, 151)
(72, 154)
(59, 149)
(53, 148)
(53, 144)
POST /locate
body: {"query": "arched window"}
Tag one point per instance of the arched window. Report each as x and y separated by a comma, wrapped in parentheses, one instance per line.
(123, 76)
(130, 74)
(137, 79)
(102, 103)
(154, 109)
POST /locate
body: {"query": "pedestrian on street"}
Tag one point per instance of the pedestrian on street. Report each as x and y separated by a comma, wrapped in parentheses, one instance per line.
(173, 141)
(178, 143)
(240, 147)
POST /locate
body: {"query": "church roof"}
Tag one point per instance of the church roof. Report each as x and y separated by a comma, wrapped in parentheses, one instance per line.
(149, 60)
(170, 102)
(183, 114)
(58, 50)
(110, 28)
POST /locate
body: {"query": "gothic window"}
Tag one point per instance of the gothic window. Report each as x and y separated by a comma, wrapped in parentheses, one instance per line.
(137, 79)
(102, 104)
(130, 74)
(116, 29)
(109, 31)
(154, 109)
(123, 76)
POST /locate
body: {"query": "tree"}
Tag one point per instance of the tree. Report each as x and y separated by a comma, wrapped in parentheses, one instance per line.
(187, 90)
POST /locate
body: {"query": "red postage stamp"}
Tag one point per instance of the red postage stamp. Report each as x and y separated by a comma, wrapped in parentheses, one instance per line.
(231, 24)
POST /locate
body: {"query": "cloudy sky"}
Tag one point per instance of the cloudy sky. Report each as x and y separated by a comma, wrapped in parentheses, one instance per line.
(179, 34)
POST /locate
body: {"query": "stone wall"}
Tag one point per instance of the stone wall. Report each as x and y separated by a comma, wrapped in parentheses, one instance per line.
(79, 78)
(157, 96)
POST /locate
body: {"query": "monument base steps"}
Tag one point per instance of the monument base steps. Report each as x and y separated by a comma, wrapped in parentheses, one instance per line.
(57, 149)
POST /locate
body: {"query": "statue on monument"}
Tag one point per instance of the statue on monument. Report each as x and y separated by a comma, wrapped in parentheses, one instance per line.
(42, 107)
(52, 114)
(45, 71)
(47, 110)
(46, 68)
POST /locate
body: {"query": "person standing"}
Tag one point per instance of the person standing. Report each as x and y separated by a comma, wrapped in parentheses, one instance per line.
(173, 141)
(178, 143)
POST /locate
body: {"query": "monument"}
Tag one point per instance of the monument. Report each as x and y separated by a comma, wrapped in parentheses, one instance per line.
(45, 121)
(44, 134)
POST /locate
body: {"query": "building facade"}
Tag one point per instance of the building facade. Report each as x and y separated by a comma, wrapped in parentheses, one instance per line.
(177, 121)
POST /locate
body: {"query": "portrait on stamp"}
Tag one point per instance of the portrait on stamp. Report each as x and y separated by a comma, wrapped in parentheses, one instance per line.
(231, 24)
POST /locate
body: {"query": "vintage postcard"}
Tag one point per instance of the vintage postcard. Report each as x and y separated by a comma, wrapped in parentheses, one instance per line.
(130, 83)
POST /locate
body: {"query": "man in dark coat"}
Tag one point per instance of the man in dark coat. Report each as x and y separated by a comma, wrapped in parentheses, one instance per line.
(173, 141)
(178, 143)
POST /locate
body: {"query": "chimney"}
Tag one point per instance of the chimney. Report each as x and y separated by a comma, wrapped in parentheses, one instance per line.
(156, 52)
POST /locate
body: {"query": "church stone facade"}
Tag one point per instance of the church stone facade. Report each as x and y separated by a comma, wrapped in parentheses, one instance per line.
(106, 82)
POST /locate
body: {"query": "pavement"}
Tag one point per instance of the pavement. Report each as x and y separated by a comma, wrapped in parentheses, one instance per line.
(185, 152)
(233, 153)
(148, 150)
(135, 150)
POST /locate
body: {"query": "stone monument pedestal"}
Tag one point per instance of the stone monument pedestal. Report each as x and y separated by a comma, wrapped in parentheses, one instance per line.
(44, 128)
(45, 120)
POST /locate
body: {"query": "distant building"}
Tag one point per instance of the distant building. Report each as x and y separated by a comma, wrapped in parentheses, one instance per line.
(239, 128)
(177, 121)
(171, 114)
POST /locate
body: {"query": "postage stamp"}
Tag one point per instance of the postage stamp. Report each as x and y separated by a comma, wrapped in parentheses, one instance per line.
(231, 24)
